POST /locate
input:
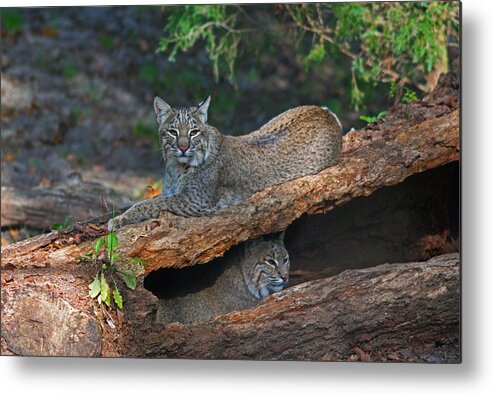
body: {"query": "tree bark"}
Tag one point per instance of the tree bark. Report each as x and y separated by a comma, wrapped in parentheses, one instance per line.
(398, 312)
(369, 162)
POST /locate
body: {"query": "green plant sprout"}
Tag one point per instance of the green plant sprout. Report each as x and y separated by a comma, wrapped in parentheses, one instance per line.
(371, 119)
(409, 95)
(110, 264)
(58, 226)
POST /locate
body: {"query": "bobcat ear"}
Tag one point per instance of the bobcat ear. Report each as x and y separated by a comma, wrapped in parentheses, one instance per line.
(202, 108)
(275, 236)
(163, 109)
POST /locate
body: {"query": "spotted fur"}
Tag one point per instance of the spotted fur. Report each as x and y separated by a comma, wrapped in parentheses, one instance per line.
(256, 269)
(206, 170)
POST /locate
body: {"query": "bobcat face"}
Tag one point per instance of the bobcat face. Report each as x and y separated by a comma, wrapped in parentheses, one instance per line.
(183, 131)
(270, 272)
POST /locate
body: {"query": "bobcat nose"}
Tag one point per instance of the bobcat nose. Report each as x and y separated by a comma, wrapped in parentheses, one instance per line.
(284, 277)
(183, 148)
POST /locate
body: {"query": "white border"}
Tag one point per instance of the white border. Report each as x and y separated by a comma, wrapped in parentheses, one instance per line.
(84, 376)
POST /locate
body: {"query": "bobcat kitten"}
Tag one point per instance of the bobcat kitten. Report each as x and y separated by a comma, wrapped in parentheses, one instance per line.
(206, 170)
(258, 268)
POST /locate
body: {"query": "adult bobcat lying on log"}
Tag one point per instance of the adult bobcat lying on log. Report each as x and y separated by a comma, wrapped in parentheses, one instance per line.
(206, 170)
(256, 269)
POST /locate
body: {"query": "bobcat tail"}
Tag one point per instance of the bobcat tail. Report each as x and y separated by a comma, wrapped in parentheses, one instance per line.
(334, 115)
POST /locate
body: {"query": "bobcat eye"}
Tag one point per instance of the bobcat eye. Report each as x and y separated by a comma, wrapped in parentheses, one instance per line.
(286, 260)
(173, 132)
(193, 132)
(271, 262)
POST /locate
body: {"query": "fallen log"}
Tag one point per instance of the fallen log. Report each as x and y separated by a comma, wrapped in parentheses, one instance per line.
(398, 312)
(369, 163)
(42, 206)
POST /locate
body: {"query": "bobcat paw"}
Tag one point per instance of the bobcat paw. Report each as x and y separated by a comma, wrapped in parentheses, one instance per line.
(116, 223)
(122, 220)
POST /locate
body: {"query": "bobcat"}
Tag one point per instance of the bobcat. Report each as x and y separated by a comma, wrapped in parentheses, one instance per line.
(206, 170)
(256, 269)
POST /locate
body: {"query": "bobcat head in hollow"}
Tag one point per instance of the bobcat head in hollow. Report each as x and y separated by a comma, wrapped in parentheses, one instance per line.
(266, 265)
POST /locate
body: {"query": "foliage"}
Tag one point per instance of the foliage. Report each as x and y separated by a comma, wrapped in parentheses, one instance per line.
(12, 21)
(384, 41)
(70, 70)
(371, 119)
(409, 95)
(107, 42)
(214, 24)
(144, 129)
(110, 263)
(58, 226)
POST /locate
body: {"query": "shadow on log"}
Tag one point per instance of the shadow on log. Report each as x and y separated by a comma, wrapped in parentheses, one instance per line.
(411, 221)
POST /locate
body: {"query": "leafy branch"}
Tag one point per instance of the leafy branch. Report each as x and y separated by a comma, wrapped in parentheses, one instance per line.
(110, 264)
(399, 42)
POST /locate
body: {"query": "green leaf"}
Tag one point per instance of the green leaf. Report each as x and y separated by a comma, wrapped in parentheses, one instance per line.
(117, 297)
(105, 289)
(95, 287)
(140, 261)
(367, 118)
(129, 278)
(98, 245)
(57, 226)
(107, 301)
(409, 95)
(114, 257)
(67, 219)
(316, 55)
(12, 20)
(111, 244)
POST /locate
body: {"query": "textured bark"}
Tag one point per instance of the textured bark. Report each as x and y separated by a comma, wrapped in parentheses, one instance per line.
(399, 312)
(40, 207)
(38, 322)
(370, 162)
(414, 220)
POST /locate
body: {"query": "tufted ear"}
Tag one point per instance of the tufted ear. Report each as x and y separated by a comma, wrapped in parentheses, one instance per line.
(202, 109)
(278, 236)
(163, 109)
